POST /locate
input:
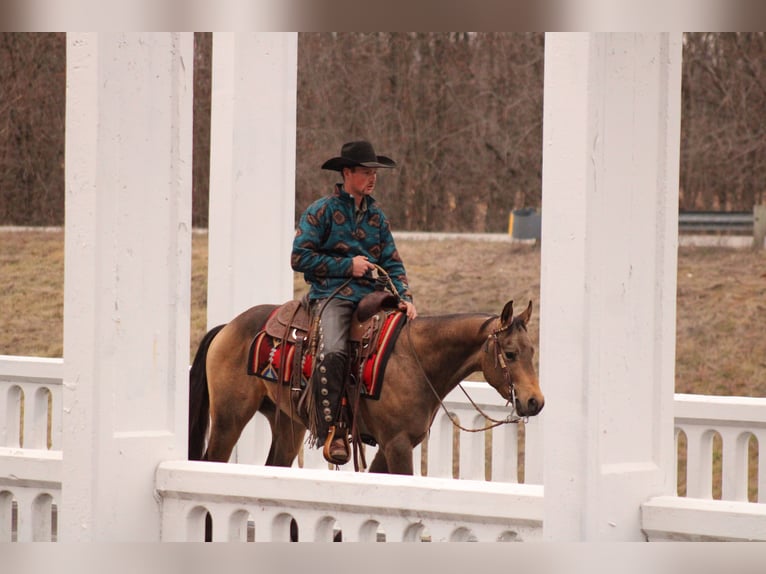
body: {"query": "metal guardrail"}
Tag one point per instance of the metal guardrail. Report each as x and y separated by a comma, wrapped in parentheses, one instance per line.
(735, 221)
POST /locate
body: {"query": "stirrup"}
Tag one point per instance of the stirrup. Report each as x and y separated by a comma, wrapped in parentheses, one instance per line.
(336, 455)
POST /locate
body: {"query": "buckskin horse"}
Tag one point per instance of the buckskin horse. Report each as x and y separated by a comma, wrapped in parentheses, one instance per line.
(430, 357)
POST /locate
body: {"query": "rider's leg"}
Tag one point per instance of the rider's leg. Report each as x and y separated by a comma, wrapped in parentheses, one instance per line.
(329, 377)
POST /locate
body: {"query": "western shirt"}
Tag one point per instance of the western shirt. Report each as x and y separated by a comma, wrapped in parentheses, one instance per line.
(331, 232)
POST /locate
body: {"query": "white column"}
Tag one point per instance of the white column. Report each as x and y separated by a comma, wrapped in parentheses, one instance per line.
(127, 278)
(252, 171)
(608, 282)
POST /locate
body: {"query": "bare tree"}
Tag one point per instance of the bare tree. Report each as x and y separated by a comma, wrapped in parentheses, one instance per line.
(724, 121)
(203, 63)
(460, 112)
(32, 76)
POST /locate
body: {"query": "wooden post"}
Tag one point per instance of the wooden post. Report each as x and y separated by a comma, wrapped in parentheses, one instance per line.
(759, 226)
(611, 131)
(126, 280)
(252, 171)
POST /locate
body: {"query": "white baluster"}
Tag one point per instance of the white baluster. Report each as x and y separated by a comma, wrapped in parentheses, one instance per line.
(10, 408)
(42, 518)
(760, 435)
(533, 451)
(56, 416)
(440, 447)
(699, 461)
(35, 416)
(734, 472)
(472, 444)
(505, 458)
(6, 515)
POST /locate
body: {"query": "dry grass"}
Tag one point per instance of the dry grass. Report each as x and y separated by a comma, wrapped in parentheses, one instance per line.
(721, 340)
(31, 293)
(721, 347)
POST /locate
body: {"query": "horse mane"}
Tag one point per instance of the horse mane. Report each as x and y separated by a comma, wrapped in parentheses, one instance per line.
(516, 323)
(442, 320)
(487, 322)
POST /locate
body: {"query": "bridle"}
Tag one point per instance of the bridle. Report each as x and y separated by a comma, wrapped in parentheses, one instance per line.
(500, 360)
(512, 418)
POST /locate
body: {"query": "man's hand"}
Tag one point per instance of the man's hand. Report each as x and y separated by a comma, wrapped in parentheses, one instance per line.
(408, 308)
(360, 266)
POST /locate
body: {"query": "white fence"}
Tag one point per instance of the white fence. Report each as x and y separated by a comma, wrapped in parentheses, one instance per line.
(259, 503)
(30, 447)
(499, 498)
(722, 437)
(740, 426)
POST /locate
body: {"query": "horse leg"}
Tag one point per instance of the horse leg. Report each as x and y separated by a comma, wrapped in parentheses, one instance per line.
(228, 416)
(379, 463)
(286, 435)
(398, 455)
(224, 434)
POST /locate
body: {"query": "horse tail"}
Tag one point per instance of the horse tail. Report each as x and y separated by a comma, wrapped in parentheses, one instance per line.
(199, 399)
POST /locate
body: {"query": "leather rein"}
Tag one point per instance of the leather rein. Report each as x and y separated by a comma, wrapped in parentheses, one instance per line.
(512, 418)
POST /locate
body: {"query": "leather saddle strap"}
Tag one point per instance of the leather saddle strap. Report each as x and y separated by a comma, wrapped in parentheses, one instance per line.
(285, 338)
(365, 350)
(295, 379)
(283, 364)
(356, 439)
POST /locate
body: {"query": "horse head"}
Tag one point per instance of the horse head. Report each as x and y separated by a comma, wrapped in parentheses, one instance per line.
(507, 362)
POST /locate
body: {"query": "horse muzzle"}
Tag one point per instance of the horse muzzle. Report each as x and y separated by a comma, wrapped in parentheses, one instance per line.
(531, 407)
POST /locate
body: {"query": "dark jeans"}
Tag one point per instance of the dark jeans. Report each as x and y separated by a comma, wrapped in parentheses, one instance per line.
(336, 319)
(332, 361)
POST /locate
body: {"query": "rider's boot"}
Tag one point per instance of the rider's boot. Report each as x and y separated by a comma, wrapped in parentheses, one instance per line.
(337, 449)
(328, 388)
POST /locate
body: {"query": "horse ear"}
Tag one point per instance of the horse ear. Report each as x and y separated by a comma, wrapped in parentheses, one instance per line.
(527, 314)
(507, 315)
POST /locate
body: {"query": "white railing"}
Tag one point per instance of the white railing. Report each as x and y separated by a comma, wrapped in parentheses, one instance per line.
(735, 421)
(260, 503)
(492, 462)
(698, 520)
(30, 447)
(738, 425)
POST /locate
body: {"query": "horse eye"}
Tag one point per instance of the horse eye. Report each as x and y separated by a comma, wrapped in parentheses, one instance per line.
(511, 356)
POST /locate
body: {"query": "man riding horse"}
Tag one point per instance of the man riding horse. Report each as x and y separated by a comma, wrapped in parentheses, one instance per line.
(340, 240)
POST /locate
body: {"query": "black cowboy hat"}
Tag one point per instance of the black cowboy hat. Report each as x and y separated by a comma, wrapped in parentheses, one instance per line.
(357, 153)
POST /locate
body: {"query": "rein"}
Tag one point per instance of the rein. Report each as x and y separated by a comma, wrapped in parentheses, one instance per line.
(499, 359)
(512, 418)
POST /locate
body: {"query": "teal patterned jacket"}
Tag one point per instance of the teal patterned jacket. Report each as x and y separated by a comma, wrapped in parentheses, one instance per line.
(328, 237)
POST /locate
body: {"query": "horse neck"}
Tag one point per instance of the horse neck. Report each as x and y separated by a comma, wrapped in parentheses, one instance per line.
(449, 348)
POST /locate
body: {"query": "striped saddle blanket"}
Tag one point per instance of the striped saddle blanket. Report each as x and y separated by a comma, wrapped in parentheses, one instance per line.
(371, 346)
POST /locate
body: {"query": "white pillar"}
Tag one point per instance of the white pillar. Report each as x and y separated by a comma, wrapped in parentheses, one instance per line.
(127, 278)
(608, 282)
(252, 171)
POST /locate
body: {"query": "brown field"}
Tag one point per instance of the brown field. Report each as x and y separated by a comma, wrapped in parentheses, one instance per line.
(721, 315)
